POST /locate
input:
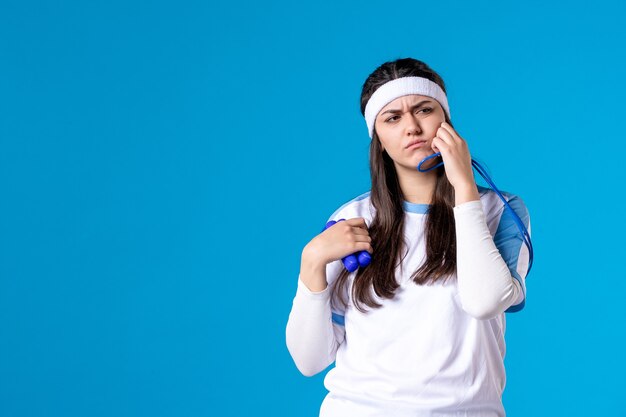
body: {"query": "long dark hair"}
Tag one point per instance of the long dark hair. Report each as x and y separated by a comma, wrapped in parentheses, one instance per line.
(386, 228)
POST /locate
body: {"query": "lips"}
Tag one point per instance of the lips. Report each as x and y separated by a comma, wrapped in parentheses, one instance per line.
(415, 142)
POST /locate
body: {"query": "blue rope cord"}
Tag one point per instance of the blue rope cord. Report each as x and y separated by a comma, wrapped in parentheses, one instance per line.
(518, 221)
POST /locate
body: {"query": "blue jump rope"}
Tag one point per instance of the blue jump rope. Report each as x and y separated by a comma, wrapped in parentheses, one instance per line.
(363, 258)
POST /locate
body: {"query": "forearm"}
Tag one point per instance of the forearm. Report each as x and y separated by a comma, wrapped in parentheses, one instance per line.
(312, 273)
(486, 287)
(310, 335)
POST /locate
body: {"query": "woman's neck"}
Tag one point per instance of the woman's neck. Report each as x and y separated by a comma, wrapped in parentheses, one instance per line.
(417, 187)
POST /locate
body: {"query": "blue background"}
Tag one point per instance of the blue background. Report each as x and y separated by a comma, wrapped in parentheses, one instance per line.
(162, 165)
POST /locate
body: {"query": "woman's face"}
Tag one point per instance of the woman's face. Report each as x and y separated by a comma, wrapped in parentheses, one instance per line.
(404, 120)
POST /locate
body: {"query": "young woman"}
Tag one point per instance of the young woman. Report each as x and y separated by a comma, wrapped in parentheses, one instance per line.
(447, 261)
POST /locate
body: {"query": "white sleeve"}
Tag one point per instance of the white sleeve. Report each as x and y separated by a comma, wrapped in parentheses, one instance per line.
(485, 283)
(312, 335)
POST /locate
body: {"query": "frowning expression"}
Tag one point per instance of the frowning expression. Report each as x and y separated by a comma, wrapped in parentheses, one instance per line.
(405, 120)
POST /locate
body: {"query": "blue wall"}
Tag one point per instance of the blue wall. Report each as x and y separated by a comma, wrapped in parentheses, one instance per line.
(162, 165)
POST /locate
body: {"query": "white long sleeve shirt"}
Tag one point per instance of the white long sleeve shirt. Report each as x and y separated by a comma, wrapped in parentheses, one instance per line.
(432, 350)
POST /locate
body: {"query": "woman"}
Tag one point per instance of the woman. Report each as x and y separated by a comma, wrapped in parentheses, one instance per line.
(447, 262)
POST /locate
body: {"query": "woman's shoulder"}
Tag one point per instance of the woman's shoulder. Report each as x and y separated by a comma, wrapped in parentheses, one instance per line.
(493, 204)
(359, 206)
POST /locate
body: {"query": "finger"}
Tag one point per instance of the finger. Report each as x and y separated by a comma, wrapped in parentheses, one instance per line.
(358, 222)
(362, 238)
(440, 144)
(360, 231)
(451, 130)
(445, 135)
(433, 145)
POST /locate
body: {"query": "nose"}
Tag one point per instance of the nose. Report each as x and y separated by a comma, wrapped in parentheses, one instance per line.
(413, 125)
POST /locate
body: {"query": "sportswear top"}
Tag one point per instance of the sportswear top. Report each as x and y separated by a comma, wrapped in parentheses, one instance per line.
(431, 350)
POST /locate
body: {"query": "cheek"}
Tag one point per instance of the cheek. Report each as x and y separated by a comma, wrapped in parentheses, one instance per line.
(432, 129)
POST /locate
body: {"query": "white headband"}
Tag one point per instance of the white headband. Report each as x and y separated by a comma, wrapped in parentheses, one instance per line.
(402, 86)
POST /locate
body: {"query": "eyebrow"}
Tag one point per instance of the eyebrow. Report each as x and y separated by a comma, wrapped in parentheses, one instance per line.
(412, 107)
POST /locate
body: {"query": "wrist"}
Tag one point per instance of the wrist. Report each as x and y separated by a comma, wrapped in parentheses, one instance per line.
(465, 193)
(310, 262)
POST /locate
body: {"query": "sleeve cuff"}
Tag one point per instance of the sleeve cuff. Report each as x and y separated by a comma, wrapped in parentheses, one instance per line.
(468, 206)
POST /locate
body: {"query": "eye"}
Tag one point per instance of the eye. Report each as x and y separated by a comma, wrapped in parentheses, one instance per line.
(425, 108)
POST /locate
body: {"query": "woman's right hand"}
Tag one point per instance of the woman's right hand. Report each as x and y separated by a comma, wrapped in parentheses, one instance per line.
(338, 241)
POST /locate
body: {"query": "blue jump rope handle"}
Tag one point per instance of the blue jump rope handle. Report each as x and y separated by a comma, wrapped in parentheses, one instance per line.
(352, 262)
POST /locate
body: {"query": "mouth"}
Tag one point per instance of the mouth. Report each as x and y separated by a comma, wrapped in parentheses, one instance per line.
(415, 144)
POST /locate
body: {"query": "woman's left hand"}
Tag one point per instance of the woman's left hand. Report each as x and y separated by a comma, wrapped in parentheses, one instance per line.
(456, 156)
